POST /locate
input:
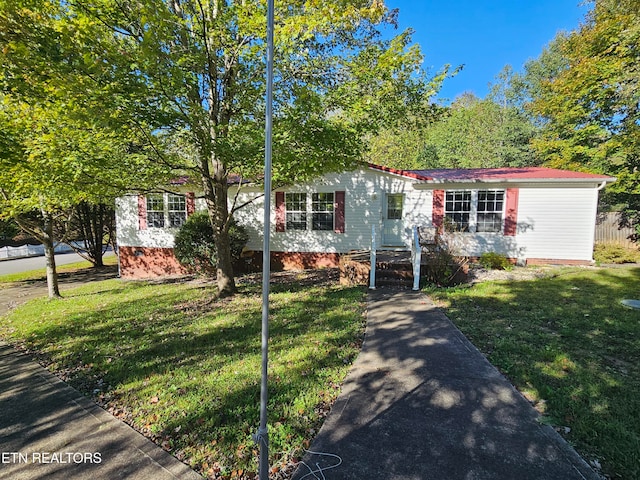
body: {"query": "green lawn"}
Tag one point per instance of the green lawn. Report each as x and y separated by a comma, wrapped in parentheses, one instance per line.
(184, 369)
(569, 345)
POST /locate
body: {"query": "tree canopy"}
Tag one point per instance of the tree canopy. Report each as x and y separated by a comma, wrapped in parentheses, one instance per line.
(591, 108)
(188, 76)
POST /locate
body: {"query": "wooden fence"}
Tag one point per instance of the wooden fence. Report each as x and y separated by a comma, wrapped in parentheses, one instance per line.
(608, 230)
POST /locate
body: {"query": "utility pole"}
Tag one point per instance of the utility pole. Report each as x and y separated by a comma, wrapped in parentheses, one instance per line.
(262, 437)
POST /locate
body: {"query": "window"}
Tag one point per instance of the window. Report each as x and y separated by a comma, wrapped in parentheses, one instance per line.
(322, 208)
(177, 208)
(394, 207)
(296, 208)
(490, 208)
(166, 209)
(474, 210)
(155, 210)
(457, 208)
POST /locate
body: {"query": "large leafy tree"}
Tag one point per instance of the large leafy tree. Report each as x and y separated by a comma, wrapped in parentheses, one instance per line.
(56, 150)
(51, 164)
(591, 108)
(193, 71)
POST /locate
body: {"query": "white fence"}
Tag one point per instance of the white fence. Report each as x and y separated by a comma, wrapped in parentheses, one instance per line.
(32, 251)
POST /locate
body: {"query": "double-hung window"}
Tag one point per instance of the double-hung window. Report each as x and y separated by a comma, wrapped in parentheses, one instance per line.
(176, 210)
(321, 206)
(474, 210)
(166, 209)
(490, 211)
(322, 211)
(155, 210)
(457, 210)
(296, 207)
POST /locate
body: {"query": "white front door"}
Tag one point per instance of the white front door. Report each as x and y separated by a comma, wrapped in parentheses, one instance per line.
(392, 221)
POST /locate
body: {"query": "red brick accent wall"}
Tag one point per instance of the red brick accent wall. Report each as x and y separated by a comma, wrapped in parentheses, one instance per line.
(145, 262)
(556, 261)
(303, 260)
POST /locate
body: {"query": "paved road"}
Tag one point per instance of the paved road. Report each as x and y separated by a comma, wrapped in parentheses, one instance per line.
(19, 265)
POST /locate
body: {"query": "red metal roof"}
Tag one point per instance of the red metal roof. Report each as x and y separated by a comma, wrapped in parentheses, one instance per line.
(492, 174)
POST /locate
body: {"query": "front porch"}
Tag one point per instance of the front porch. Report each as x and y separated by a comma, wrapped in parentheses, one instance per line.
(395, 268)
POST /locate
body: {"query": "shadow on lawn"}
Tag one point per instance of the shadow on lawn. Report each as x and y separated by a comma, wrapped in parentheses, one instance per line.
(196, 369)
(568, 341)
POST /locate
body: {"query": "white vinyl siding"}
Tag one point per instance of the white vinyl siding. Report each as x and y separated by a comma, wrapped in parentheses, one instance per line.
(553, 222)
(364, 203)
(557, 223)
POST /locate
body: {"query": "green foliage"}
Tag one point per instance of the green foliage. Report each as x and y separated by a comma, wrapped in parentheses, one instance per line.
(8, 230)
(195, 247)
(193, 73)
(479, 134)
(494, 261)
(614, 253)
(471, 133)
(590, 108)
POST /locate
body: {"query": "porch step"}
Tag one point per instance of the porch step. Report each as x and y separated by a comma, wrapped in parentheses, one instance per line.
(393, 268)
(394, 274)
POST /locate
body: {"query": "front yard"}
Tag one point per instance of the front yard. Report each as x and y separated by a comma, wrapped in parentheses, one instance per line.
(569, 345)
(185, 370)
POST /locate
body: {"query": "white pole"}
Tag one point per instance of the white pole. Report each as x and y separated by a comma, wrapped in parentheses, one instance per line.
(372, 271)
(262, 437)
(416, 257)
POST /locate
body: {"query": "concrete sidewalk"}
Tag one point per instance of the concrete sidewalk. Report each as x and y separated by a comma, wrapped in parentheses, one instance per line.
(48, 430)
(421, 402)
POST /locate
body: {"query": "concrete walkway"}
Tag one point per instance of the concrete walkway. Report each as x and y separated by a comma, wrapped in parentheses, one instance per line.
(421, 402)
(48, 430)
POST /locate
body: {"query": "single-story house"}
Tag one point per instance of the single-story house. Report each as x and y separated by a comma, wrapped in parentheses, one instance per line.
(531, 214)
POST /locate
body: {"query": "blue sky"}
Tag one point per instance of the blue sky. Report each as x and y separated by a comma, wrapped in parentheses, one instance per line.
(484, 35)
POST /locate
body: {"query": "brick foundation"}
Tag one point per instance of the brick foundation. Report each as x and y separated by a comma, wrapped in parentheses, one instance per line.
(145, 262)
(555, 261)
(303, 260)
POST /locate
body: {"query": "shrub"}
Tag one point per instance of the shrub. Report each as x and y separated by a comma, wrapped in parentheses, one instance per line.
(495, 261)
(444, 268)
(194, 246)
(614, 253)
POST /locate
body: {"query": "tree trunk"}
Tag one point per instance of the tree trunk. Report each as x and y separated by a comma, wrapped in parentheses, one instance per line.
(47, 241)
(216, 196)
(224, 267)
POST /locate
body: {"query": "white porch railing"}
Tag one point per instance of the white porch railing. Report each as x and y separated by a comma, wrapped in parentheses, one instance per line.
(416, 258)
(374, 247)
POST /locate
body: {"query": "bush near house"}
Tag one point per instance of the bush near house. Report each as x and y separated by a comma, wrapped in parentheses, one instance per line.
(494, 261)
(615, 253)
(194, 246)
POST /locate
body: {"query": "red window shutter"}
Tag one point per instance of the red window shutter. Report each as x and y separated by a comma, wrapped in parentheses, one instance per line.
(191, 203)
(280, 212)
(437, 213)
(142, 212)
(339, 212)
(511, 214)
